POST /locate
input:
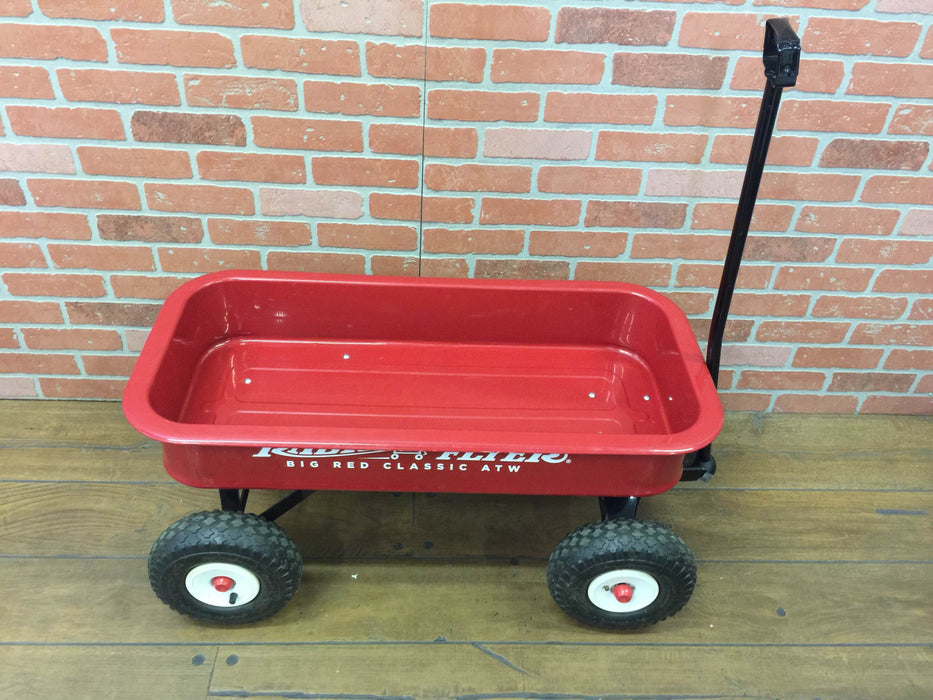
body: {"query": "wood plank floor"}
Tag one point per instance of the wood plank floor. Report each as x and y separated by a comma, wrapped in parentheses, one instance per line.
(814, 546)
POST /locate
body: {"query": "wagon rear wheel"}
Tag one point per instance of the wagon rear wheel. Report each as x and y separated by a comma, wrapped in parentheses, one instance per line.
(225, 567)
(621, 574)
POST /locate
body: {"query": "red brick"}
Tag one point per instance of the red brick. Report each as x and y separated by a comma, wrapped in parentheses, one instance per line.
(875, 154)
(784, 150)
(30, 312)
(644, 274)
(412, 139)
(307, 134)
(922, 310)
(472, 177)
(688, 246)
(667, 148)
(400, 207)
(367, 236)
(707, 110)
(669, 70)
(816, 187)
(551, 144)
(21, 255)
(33, 363)
(577, 244)
(447, 210)
(916, 281)
(144, 286)
(747, 402)
(522, 269)
(830, 279)
(49, 41)
(200, 199)
(263, 233)
(60, 388)
(301, 55)
(444, 63)
(335, 263)
(16, 8)
(907, 359)
(489, 22)
(720, 215)
(101, 257)
(926, 51)
(134, 162)
(542, 212)
(396, 265)
(891, 80)
(819, 4)
(71, 339)
(166, 47)
(833, 116)
(149, 229)
(384, 17)
(851, 358)
(84, 194)
(128, 10)
(241, 92)
(860, 37)
(598, 25)
(871, 381)
(483, 241)
(770, 304)
(122, 87)
(108, 365)
(816, 75)
(898, 405)
(699, 275)
(25, 82)
(847, 220)
(445, 267)
(365, 172)
(912, 119)
(756, 379)
(917, 222)
(886, 252)
(546, 66)
(181, 127)
(789, 248)
(357, 99)
(635, 214)
(109, 313)
(737, 330)
(692, 302)
(273, 14)
(897, 189)
(11, 194)
(584, 108)
(802, 332)
(15, 224)
(54, 285)
(859, 307)
(251, 167)
(464, 105)
(66, 123)
(722, 30)
(570, 179)
(203, 260)
(694, 183)
(893, 334)
(8, 338)
(314, 202)
(815, 403)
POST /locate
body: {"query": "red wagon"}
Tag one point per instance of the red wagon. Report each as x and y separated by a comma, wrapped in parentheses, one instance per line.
(260, 380)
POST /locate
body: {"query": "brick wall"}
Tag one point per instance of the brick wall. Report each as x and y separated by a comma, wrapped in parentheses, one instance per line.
(147, 141)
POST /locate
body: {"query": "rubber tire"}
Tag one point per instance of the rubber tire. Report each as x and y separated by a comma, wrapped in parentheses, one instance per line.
(231, 537)
(599, 547)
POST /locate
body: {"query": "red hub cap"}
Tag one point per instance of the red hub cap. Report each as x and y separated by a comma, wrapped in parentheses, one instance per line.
(222, 583)
(623, 592)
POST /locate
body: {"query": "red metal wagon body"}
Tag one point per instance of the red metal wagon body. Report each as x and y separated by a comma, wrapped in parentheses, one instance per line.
(298, 381)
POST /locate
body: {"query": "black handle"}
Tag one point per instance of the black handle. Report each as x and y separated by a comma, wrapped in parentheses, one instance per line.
(781, 54)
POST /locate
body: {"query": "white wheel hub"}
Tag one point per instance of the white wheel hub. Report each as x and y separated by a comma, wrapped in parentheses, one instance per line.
(623, 590)
(222, 585)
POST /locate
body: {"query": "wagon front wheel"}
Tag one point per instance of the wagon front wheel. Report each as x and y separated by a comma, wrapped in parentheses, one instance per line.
(225, 567)
(621, 574)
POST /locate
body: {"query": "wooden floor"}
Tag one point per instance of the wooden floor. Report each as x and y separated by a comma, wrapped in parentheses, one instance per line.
(814, 542)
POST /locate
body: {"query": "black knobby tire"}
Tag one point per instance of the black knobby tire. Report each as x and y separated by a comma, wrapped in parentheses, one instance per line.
(233, 541)
(595, 552)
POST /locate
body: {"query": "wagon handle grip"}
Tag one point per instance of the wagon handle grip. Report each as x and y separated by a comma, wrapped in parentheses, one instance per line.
(781, 58)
